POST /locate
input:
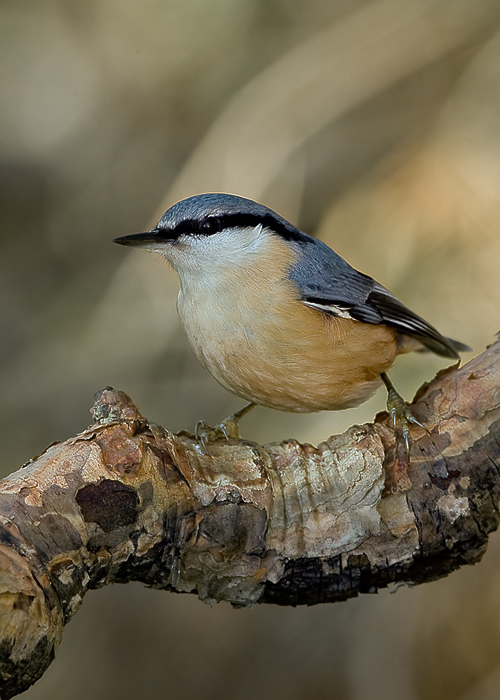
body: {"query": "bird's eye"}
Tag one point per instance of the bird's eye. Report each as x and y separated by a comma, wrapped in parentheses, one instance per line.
(210, 225)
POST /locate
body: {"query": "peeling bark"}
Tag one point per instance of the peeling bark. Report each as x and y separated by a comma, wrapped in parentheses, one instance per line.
(282, 523)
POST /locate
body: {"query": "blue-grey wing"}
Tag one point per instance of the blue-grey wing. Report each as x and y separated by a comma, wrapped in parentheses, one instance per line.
(328, 283)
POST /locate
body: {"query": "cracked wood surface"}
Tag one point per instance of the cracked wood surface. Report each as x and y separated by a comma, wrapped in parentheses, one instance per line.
(282, 523)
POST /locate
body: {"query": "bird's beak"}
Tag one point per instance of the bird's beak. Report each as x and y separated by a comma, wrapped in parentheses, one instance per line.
(150, 239)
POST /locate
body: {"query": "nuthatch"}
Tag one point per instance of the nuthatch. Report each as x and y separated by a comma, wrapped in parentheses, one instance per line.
(276, 316)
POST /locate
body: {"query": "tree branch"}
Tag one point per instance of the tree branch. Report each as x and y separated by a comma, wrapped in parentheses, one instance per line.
(284, 523)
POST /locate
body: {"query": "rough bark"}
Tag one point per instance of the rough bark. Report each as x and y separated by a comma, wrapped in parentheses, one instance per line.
(282, 523)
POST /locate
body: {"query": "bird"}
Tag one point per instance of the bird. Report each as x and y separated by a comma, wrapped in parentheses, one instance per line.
(279, 318)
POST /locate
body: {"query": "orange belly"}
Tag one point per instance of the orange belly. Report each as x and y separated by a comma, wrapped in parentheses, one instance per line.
(297, 358)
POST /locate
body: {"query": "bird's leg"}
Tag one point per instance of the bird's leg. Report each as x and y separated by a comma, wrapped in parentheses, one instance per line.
(399, 411)
(230, 425)
(227, 430)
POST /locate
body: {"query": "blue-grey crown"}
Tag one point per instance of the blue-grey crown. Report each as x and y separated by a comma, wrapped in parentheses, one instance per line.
(206, 214)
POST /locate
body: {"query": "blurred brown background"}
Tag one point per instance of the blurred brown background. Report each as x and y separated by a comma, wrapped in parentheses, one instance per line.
(374, 125)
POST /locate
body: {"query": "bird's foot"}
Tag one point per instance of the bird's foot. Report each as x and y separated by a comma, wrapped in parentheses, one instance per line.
(228, 429)
(207, 434)
(400, 412)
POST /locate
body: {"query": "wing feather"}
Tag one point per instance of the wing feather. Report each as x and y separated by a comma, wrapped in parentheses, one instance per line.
(328, 283)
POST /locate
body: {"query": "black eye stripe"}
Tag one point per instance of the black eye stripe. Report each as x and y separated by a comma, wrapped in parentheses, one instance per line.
(215, 224)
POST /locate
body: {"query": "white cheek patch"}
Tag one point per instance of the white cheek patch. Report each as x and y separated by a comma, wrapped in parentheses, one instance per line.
(232, 247)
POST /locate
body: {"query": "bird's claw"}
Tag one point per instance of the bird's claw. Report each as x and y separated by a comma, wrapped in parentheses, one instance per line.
(227, 430)
(206, 434)
(403, 417)
(400, 413)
